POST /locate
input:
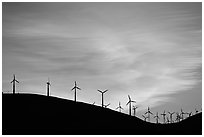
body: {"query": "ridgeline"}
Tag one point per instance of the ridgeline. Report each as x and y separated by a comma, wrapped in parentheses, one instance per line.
(30, 114)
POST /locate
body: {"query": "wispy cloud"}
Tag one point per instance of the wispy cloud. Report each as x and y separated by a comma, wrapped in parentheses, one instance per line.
(147, 51)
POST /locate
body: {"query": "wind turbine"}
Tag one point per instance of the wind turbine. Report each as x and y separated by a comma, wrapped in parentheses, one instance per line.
(144, 118)
(148, 112)
(170, 115)
(182, 113)
(48, 87)
(178, 117)
(134, 110)
(119, 107)
(13, 81)
(129, 102)
(75, 89)
(106, 105)
(93, 103)
(157, 118)
(102, 92)
(164, 114)
(196, 111)
(167, 120)
(189, 114)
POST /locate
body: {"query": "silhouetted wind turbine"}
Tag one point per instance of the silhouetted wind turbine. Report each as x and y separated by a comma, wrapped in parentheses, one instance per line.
(144, 118)
(148, 112)
(134, 110)
(48, 87)
(119, 107)
(170, 115)
(129, 102)
(189, 114)
(164, 114)
(157, 118)
(13, 81)
(102, 92)
(167, 120)
(75, 89)
(178, 117)
(182, 113)
(106, 105)
(196, 111)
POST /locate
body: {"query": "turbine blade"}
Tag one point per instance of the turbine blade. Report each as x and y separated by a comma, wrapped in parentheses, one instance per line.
(78, 88)
(17, 81)
(100, 91)
(73, 88)
(105, 91)
(129, 97)
(128, 103)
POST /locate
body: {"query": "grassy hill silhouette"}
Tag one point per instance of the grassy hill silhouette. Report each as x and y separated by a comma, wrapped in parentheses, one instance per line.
(37, 114)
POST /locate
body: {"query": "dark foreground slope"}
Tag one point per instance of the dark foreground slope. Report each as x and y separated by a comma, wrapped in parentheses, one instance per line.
(38, 114)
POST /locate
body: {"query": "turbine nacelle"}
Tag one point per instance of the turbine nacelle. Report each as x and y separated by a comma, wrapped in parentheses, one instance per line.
(130, 101)
(75, 86)
(148, 111)
(102, 92)
(14, 79)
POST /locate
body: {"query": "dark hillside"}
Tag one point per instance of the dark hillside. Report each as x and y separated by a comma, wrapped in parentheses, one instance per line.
(38, 114)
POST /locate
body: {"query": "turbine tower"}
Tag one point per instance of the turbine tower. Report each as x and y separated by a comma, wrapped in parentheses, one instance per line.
(167, 120)
(148, 112)
(164, 114)
(13, 81)
(102, 92)
(119, 107)
(157, 118)
(134, 110)
(48, 87)
(170, 115)
(129, 102)
(75, 89)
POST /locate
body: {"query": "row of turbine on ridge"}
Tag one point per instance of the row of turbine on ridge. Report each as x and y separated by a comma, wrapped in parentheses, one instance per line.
(48, 89)
(75, 94)
(178, 118)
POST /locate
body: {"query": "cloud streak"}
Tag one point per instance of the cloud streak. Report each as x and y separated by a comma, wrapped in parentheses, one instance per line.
(150, 51)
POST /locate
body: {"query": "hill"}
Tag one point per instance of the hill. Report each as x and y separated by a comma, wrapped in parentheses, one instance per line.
(32, 114)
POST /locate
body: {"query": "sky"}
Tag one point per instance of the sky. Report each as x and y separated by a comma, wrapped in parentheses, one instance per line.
(150, 51)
